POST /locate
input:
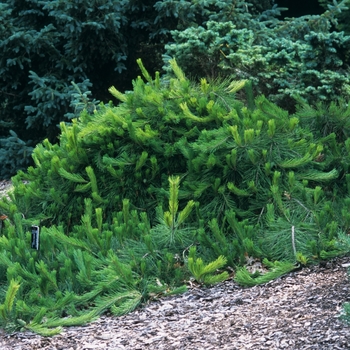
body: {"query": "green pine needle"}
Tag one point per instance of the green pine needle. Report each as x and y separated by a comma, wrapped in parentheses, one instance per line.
(71, 177)
(318, 176)
(11, 293)
(236, 86)
(206, 273)
(119, 303)
(244, 278)
(42, 330)
(117, 94)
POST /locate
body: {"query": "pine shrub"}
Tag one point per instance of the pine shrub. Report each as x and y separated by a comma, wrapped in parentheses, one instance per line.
(180, 179)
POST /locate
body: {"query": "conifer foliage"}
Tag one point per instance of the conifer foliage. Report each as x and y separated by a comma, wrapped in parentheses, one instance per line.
(180, 179)
(296, 56)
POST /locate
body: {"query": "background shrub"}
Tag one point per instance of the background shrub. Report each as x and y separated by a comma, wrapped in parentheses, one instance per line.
(301, 56)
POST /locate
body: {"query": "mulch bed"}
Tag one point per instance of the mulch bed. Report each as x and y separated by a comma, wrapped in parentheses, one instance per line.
(298, 311)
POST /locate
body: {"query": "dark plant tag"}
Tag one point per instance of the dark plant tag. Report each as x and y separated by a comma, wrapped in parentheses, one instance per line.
(35, 237)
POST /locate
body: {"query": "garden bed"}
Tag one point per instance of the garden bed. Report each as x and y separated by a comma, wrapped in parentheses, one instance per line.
(297, 311)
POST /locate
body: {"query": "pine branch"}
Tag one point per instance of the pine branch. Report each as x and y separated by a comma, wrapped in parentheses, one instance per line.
(244, 278)
(71, 321)
(206, 273)
(90, 171)
(119, 303)
(296, 162)
(145, 73)
(117, 94)
(6, 308)
(69, 241)
(173, 198)
(71, 177)
(49, 276)
(237, 191)
(185, 213)
(42, 330)
(236, 85)
(318, 176)
(177, 70)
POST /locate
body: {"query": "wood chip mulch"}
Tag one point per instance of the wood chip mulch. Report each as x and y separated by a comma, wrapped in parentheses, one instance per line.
(5, 185)
(298, 311)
